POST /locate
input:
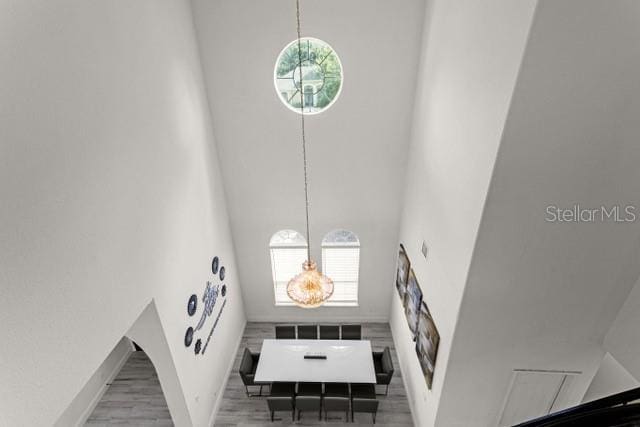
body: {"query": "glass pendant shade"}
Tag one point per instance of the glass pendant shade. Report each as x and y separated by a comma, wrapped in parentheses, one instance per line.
(310, 288)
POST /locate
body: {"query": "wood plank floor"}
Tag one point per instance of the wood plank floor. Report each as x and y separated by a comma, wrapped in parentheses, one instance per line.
(134, 398)
(237, 409)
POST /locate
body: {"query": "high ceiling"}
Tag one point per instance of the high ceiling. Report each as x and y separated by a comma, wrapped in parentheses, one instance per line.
(357, 148)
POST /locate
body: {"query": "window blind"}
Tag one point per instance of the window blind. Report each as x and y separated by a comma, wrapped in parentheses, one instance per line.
(286, 262)
(342, 265)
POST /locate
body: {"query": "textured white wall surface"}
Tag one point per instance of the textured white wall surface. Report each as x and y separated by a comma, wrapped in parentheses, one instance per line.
(542, 295)
(85, 401)
(111, 197)
(471, 55)
(525, 104)
(610, 378)
(623, 339)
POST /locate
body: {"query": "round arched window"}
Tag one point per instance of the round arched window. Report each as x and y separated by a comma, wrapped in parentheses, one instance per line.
(316, 84)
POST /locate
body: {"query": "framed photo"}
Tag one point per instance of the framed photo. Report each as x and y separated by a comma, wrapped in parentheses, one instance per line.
(412, 301)
(427, 341)
(402, 272)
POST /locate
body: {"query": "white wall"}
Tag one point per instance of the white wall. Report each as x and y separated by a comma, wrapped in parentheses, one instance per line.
(111, 198)
(357, 148)
(620, 368)
(623, 339)
(148, 334)
(542, 295)
(610, 378)
(470, 59)
(85, 401)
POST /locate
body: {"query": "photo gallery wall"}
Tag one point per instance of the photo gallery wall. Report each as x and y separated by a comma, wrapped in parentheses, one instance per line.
(419, 318)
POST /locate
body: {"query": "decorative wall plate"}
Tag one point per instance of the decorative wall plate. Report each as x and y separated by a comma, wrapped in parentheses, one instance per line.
(192, 305)
(206, 308)
(214, 265)
(188, 337)
(209, 299)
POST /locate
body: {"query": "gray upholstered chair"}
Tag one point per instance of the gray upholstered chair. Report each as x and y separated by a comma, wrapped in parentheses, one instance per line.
(351, 332)
(363, 399)
(329, 332)
(384, 367)
(282, 399)
(309, 398)
(285, 332)
(336, 399)
(247, 370)
(307, 332)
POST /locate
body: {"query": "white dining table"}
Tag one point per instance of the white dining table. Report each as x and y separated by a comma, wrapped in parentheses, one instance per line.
(346, 361)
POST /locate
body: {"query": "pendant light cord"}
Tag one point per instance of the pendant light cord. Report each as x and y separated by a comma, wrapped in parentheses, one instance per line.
(304, 139)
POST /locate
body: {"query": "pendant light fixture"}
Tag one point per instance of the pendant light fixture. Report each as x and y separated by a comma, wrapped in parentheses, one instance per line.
(310, 288)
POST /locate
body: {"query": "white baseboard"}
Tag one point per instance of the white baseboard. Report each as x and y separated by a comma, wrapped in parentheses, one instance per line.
(223, 387)
(96, 399)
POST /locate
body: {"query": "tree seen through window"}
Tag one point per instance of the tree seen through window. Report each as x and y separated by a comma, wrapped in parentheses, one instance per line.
(321, 75)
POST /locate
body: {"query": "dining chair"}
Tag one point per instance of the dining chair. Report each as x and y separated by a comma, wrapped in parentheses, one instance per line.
(309, 398)
(247, 371)
(282, 399)
(307, 332)
(363, 399)
(336, 399)
(285, 332)
(384, 367)
(351, 332)
(329, 332)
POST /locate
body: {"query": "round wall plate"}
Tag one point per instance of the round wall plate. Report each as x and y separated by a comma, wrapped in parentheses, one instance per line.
(214, 265)
(188, 337)
(223, 291)
(222, 273)
(192, 305)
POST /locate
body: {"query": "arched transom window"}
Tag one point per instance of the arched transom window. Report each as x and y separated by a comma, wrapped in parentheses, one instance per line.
(340, 262)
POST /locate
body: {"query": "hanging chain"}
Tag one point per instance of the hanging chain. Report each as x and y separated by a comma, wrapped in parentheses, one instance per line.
(304, 139)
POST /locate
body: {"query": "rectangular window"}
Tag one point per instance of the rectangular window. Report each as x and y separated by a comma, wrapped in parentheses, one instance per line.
(286, 262)
(341, 264)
